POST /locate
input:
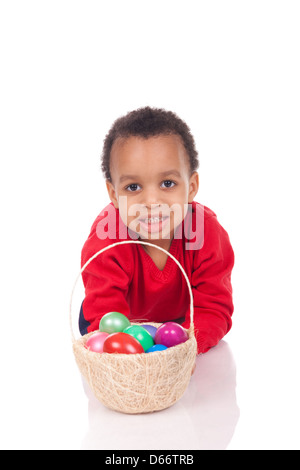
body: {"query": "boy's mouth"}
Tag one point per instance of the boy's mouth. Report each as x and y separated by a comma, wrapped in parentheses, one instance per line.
(154, 224)
(152, 220)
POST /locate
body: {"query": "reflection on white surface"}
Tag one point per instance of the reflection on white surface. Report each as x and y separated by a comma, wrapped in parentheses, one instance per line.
(205, 418)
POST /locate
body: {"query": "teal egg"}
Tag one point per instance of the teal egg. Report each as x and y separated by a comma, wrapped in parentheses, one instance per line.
(142, 335)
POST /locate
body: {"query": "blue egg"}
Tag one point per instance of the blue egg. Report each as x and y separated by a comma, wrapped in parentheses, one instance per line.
(151, 329)
(156, 347)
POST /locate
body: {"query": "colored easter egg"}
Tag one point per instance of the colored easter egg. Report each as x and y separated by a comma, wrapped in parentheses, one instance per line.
(113, 322)
(142, 335)
(170, 334)
(157, 347)
(122, 343)
(95, 342)
(151, 329)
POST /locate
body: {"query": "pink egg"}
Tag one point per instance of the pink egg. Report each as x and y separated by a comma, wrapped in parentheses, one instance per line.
(95, 342)
(170, 334)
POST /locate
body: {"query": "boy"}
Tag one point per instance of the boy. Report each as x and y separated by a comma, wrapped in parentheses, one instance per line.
(149, 161)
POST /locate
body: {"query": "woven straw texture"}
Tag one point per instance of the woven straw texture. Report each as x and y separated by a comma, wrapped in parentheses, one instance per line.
(137, 383)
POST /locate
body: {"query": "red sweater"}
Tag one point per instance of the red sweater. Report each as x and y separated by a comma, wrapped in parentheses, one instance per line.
(125, 278)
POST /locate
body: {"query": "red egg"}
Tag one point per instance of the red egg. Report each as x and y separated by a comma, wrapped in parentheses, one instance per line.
(122, 343)
(96, 341)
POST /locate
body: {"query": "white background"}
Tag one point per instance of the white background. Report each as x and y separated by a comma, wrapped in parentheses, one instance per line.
(68, 70)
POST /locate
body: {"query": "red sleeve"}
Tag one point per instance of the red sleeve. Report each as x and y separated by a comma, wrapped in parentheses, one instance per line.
(212, 290)
(106, 285)
(107, 278)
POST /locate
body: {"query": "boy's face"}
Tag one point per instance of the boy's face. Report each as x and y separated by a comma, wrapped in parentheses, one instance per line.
(151, 184)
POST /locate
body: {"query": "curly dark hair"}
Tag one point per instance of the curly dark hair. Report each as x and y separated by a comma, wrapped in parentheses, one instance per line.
(148, 122)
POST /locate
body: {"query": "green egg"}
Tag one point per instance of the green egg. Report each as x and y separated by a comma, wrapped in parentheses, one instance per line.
(114, 322)
(142, 335)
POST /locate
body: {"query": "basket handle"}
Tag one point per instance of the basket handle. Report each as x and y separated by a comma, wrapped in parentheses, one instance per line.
(138, 242)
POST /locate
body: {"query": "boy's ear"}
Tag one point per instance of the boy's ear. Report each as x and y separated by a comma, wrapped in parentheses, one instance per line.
(112, 193)
(194, 186)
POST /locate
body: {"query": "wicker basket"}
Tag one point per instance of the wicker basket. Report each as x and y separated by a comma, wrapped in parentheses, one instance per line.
(137, 383)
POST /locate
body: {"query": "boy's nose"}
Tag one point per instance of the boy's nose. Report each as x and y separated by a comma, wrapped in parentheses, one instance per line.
(150, 198)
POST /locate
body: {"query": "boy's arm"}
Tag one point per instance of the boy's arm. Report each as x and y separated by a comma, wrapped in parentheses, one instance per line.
(211, 283)
(106, 281)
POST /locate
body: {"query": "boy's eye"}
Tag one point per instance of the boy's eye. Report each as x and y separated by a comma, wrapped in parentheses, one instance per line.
(136, 187)
(168, 184)
(133, 187)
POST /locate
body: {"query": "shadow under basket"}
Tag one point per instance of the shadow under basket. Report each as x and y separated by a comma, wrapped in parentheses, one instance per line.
(137, 383)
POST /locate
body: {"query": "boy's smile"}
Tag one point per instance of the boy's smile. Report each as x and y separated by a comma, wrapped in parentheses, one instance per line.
(151, 184)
